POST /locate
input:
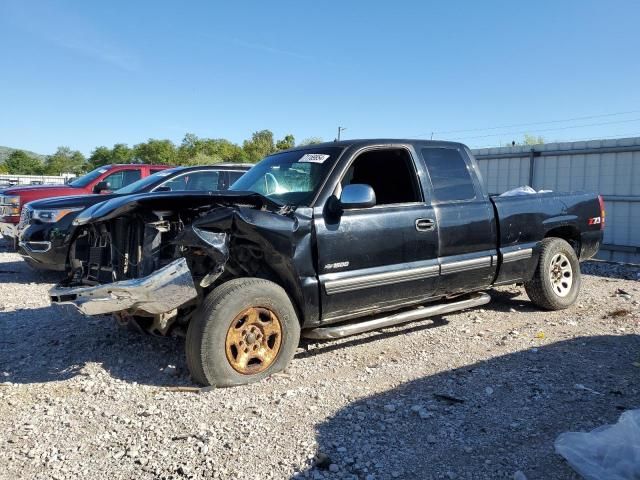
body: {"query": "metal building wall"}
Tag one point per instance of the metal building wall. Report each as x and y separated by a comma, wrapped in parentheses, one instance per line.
(608, 167)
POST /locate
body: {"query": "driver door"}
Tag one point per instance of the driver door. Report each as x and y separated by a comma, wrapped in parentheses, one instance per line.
(376, 258)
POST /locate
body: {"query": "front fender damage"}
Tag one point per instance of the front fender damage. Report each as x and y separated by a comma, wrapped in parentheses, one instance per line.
(177, 256)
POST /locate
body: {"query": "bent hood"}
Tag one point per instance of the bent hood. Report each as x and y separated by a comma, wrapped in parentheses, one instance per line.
(123, 204)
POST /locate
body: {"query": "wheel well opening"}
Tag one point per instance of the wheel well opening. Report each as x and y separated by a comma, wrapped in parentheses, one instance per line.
(260, 269)
(568, 233)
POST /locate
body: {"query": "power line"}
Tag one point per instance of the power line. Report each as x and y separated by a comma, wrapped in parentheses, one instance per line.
(584, 139)
(548, 129)
(527, 124)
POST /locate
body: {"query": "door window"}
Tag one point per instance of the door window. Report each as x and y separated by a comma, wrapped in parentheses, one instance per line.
(194, 181)
(390, 172)
(449, 174)
(233, 176)
(122, 178)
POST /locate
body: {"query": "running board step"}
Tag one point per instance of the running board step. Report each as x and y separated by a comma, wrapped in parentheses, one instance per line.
(339, 331)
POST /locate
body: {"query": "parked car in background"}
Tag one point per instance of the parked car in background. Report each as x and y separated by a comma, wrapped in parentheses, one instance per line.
(101, 180)
(45, 228)
(323, 241)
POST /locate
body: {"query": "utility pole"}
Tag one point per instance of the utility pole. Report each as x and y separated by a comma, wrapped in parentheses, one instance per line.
(340, 129)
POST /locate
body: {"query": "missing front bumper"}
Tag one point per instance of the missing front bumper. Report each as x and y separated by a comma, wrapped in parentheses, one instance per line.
(164, 290)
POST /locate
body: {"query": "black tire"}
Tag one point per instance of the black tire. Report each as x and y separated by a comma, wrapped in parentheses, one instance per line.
(206, 347)
(555, 295)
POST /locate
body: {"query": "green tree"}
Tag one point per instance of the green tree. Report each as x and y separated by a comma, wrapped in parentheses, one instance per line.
(121, 153)
(100, 156)
(154, 151)
(310, 141)
(260, 145)
(22, 163)
(527, 140)
(532, 140)
(65, 160)
(287, 142)
(202, 158)
(215, 149)
(221, 149)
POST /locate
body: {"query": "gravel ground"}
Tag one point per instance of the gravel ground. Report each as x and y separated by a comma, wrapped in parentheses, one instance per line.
(478, 394)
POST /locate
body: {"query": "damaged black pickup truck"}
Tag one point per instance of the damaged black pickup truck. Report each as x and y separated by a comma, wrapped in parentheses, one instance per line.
(323, 241)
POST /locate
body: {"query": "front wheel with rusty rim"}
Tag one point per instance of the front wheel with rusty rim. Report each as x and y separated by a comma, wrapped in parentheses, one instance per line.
(556, 281)
(253, 340)
(246, 330)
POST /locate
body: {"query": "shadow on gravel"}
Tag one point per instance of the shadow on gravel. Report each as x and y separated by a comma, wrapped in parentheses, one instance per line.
(327, 346)
(501, 301)
(20, 272)
(486, 420)
(599, 268)
(53, 344)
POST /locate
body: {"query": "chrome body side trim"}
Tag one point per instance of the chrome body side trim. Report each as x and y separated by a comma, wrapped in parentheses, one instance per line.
(164, 290)
(334, 285)
(464, 265)
(515, 255)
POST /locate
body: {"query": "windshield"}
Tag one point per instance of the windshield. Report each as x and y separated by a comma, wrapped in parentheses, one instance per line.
(85, 180)
(289, 178)
(151, 180)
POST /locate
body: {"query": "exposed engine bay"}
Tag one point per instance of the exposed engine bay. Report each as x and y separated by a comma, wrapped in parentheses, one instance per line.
(218, 239)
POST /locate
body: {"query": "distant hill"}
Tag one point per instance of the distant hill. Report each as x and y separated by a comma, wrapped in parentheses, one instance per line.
(6, 151)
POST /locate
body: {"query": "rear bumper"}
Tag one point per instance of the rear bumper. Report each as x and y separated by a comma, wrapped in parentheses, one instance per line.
(590, 243)
(164, 290)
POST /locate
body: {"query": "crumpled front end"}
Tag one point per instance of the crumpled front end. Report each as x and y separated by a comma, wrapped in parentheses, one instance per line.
(162, 291)
(153, 259)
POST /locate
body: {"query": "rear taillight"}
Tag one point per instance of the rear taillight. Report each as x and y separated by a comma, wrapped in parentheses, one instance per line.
(602, 212)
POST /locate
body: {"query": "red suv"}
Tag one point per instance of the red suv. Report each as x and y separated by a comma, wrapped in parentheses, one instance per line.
(101, 180)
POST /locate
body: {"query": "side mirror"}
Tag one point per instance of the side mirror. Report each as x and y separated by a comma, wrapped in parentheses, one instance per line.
(100, 187)
(357, 195)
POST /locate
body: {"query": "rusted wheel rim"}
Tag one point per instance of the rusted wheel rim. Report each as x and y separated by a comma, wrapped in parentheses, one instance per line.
(253, 340)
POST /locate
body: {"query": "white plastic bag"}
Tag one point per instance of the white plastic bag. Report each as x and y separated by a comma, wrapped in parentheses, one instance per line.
(610, 452)
(524, 190)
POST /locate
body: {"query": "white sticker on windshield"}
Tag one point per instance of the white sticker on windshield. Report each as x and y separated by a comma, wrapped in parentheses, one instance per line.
(313, 158)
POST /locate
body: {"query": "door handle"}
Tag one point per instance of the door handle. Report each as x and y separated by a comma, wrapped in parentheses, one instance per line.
(425, 224)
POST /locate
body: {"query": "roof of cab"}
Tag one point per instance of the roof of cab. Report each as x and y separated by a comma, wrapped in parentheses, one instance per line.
(363, 142)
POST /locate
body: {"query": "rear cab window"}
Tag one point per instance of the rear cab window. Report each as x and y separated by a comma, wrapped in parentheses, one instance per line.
(451, 179)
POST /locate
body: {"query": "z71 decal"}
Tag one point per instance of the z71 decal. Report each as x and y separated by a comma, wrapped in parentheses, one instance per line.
(595, 221)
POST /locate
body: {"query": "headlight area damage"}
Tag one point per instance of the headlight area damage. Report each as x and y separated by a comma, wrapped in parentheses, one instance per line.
(151, 260)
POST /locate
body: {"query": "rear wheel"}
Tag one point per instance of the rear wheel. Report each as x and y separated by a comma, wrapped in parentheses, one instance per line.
(556, 282)
(246, 330)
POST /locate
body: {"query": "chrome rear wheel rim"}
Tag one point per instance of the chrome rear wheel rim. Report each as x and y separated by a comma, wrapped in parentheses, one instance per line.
(561, 275)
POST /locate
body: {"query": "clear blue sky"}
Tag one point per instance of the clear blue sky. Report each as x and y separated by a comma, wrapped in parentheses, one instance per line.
(85, 73)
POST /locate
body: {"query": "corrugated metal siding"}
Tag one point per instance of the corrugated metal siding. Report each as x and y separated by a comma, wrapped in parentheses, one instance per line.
(612, 174)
